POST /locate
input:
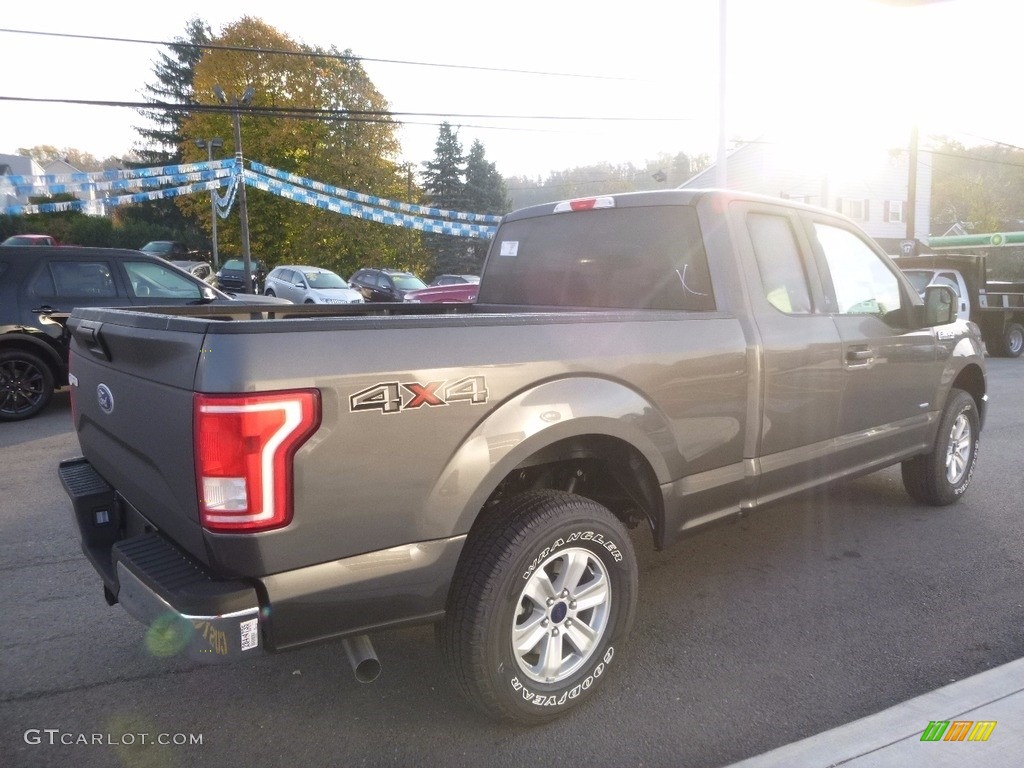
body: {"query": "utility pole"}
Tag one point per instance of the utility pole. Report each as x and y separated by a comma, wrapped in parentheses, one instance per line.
(912, 191)
(243, 209)
(721, 176)
(210, 144)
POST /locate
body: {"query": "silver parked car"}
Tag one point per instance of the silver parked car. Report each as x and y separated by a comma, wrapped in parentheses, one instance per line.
(310, 285)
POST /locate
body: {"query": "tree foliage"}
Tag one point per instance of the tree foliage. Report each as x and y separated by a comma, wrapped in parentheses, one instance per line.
(83, 161)
(357, 154)
(980, 188)
(469, 183)
(663, 172)
(162, 138)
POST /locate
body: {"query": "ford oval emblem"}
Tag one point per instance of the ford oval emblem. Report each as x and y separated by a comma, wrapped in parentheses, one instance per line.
(105, 398)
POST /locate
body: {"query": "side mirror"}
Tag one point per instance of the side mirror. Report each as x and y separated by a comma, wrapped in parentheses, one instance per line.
(939, 305)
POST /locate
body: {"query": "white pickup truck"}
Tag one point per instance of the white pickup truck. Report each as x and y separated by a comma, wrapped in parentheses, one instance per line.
(997, 307)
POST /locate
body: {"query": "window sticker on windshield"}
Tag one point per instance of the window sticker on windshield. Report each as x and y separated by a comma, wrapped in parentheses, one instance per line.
(510, 248)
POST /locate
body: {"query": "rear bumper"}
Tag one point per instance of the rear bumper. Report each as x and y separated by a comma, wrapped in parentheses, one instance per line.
(209, 638)
(188, 611)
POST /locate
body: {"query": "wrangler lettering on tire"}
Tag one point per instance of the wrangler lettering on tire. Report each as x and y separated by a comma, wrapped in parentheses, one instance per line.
(544, 595)
(942, 476)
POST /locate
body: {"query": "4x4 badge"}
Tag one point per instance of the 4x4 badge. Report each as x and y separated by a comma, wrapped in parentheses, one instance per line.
(105, 398)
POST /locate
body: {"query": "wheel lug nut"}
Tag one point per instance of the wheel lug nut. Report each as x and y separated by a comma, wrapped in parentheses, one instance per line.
(551, 601)
(545, 623)
(572, 604)
(554, 632)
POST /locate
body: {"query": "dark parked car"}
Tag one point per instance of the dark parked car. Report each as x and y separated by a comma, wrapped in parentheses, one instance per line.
(385, 284)
(40, 285)
(30, 240)
(168, 249)
(455, 279)
(231, 275)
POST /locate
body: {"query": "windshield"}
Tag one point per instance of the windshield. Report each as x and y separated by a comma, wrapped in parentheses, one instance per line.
(235, 264)
(156, 247)
(324, 280)
(407, 282)
(919, 278)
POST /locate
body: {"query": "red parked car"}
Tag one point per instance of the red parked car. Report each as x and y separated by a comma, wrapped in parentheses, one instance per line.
(455, 292)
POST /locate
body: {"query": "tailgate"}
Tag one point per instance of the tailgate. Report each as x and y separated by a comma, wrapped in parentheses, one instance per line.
(132, 378)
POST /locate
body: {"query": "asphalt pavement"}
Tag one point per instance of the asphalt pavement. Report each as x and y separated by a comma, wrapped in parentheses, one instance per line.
(968, 724)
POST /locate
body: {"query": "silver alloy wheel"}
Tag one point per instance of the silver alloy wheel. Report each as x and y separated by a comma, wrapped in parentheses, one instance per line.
(958, 451)
(562, 617)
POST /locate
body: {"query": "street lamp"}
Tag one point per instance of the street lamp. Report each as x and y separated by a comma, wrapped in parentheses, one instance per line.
(210, 145)
(242, 208)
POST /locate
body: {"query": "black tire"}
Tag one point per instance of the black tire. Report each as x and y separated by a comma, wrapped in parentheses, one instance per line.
(1013, 340)
(524, 573)
(942, 477)
(270, 292)
(26, 385)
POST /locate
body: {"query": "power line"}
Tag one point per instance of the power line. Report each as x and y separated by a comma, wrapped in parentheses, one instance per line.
(318, 113)
(308, 54)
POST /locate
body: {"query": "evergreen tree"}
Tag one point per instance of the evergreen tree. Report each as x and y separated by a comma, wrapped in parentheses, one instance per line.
(445, 187)
(162, 141)
(485, 192)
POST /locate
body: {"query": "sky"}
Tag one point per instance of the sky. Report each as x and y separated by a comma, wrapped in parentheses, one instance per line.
(627, 81)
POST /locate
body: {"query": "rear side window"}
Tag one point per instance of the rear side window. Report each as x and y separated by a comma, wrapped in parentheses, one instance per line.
(75, 279)
(614, 258)
(780, 264)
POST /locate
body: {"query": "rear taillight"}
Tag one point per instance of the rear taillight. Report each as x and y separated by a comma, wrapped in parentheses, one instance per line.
(244, 446)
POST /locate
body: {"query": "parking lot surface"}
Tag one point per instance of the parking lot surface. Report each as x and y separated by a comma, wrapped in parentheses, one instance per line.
(805, 617)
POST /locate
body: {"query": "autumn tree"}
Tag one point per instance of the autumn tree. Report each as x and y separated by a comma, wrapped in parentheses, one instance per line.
(348, 142)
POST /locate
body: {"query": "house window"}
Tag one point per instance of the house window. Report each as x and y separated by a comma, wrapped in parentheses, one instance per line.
(855, 208)
(894, 211)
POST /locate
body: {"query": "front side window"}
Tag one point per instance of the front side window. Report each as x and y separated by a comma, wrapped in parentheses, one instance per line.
(863, 284)
(148, 280)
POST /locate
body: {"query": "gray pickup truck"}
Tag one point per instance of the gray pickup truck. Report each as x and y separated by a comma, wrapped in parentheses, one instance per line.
(260, 478)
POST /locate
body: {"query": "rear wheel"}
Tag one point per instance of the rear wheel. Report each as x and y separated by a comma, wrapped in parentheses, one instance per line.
(26, 385)
(541, 603)
(1013, 340)
(942, 476)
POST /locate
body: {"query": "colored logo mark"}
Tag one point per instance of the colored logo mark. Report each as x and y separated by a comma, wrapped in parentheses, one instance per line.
(958, 730)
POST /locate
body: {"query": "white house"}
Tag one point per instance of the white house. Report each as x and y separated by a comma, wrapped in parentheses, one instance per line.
(16, 165)
(871, 187)
(19, 165)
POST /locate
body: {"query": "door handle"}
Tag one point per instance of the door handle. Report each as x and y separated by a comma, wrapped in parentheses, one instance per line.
(859, 355)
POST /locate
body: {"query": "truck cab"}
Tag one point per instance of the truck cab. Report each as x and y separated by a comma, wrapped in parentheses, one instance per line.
(922, 278)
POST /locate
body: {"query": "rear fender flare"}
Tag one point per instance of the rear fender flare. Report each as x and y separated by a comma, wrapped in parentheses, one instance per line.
(535, 419)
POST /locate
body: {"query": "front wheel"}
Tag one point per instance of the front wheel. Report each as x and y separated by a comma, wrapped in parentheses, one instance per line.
(941, 477)
(270, 292)
(541, 603)
(26, 385)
